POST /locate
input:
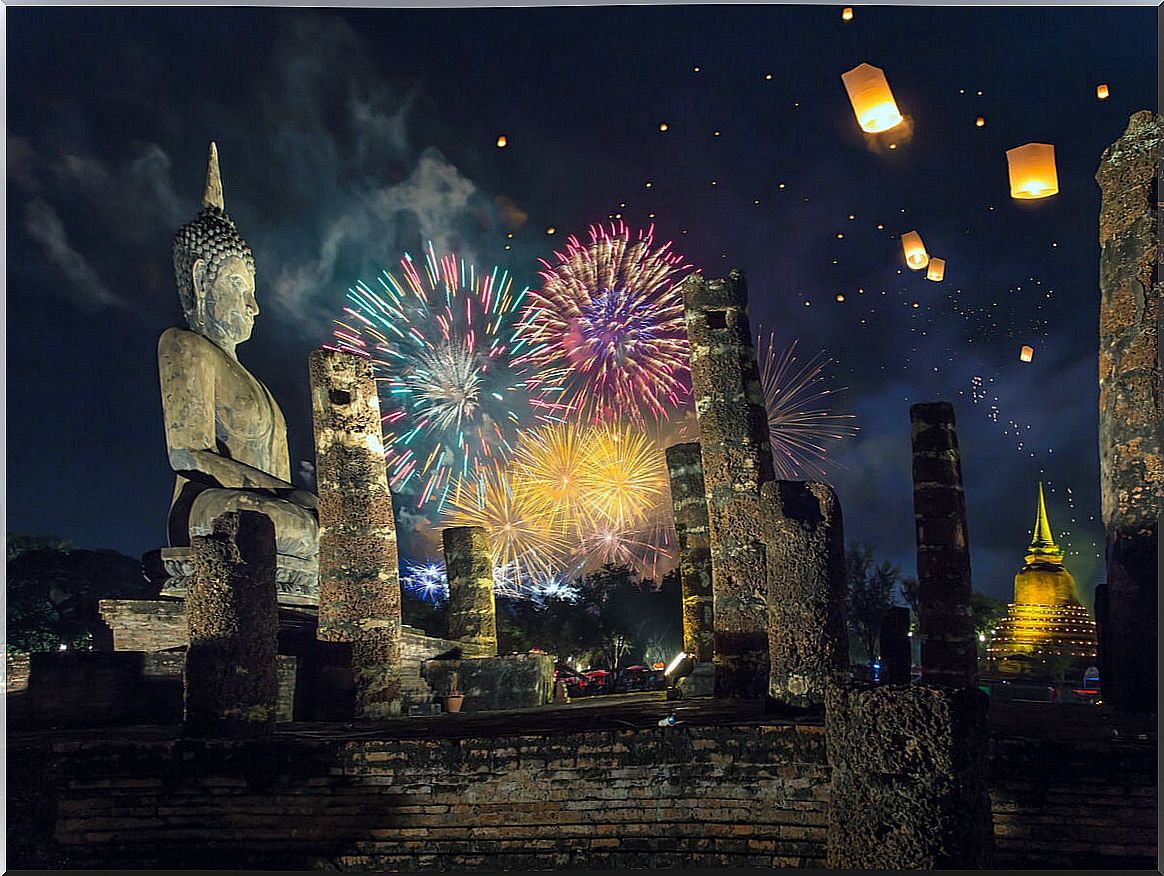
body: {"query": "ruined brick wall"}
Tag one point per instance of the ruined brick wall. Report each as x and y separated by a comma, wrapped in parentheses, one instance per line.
(710, 796)
(145, 624)
(1074, 806)
(16, 672)
(729, 796)
(102, 688)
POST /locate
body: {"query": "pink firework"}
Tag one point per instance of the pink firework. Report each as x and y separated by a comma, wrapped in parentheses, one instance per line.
(604, 336)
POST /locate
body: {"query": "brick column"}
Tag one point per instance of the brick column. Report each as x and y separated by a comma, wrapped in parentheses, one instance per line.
(469, 563)
(1131, 409)
(231, 685)
(737, 459)
(359, 576)
(808, 642)
(949, 650)
(689, 506)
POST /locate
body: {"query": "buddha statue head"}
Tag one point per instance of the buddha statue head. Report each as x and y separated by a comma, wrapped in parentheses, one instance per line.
(215, 270)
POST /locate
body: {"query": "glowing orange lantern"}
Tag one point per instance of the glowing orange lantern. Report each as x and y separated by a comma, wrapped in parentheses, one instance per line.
(502, 142)
(915, 251)
(872, 101)
(1032, 171)
(847, 13)
(1027, 353)
(1101, 91)
(937, 270)
(979, 122)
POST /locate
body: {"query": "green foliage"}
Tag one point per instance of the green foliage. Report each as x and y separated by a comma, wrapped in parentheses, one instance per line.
(870, 595)
(53, 592)
(616, 620)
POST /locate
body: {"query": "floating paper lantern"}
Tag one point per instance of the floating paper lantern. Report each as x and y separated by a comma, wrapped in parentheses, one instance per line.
(979, 122)
(1027, 353)
(502, 142)
(1101, 91)
(915, 251)
(1032, 171)
(936, 270)
(872, 101)
(847, 13)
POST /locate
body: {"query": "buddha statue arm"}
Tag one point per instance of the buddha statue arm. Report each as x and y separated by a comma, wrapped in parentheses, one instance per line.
(187, 379)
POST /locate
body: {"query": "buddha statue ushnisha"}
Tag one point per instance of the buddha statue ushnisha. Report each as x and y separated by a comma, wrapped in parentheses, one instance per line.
(226, 437)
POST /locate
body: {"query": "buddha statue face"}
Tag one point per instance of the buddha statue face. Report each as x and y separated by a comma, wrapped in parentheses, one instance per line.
(225, 305)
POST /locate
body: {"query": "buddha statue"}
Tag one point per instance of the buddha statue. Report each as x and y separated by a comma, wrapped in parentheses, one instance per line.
(225, 434)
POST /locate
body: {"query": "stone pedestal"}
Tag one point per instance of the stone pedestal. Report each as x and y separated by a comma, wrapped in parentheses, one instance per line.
(689, 506)
(1131, 409)
(359, 583)
(896, 658)
(736, 459)
(907, 778)
(469, 564)
(949, 650)
(808, 644)
(231, 684)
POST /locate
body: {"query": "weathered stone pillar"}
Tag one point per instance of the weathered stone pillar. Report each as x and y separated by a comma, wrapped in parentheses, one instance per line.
(737, 459)
(896, 657)
(231, 686)
(907, 788)
(689, 506)
(469, 564)
(808, 643)
(1131, 410)
(949, 650)
(359, 576)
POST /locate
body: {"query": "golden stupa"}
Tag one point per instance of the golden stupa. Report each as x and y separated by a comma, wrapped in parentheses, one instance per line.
(1046, 631)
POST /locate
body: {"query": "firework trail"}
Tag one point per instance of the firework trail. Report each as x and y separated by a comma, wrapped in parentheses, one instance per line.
(605, 335)
(801, 426)
(441, 341)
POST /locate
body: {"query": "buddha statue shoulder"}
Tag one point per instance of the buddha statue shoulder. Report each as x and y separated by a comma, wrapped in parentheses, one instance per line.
(226, 438)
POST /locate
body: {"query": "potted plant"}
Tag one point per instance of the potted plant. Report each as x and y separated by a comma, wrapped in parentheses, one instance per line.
(454, 698)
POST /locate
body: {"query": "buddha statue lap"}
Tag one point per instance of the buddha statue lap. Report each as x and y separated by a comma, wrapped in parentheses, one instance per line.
(225, 434)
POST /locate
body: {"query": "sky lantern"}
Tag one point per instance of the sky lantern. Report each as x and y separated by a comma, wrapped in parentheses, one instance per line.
(1027, 353)
(502, 141)
(915, 251)
(1032, 171)
(936, 270)
(847, 13)
(873, 102)
(1101, 92)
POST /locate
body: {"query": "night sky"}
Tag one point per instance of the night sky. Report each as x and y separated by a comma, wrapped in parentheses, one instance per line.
(347, 138)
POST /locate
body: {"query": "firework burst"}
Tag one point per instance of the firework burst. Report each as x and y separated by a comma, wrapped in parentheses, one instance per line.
(599, 488)
(527, 546)
(605, 336)
(441, 340)
(801, 426)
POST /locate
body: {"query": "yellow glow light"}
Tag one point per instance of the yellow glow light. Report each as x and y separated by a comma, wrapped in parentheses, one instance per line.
(915, 251)
(872, 101)
(1027, 353)
(663, 126)
(1101, 91)
(936, 270)
(847, 13)
(979, 122)
(502, 142)
(1032, 171)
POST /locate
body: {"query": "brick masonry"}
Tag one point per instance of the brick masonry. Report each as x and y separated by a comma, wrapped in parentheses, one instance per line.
(712, 796)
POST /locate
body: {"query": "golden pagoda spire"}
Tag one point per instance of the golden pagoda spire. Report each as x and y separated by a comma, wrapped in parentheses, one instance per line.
(1043, 548)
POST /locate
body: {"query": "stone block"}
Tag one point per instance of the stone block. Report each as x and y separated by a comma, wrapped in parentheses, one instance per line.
(515, 681)
(231, 685)
(689, 506)
(907, 788)
(805, 558)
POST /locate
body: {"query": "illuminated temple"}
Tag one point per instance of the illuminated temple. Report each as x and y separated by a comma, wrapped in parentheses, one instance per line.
(1046, 631)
